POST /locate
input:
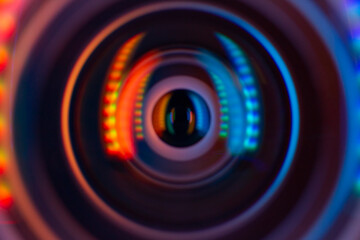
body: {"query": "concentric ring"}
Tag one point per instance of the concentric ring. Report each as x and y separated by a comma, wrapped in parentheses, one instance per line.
(196, 150)
(219, 230)
(91, 169)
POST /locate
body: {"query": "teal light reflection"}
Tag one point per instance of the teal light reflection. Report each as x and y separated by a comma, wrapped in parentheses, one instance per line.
(249, 89)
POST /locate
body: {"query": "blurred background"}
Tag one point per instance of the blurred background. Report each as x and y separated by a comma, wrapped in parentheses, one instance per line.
(181, 119)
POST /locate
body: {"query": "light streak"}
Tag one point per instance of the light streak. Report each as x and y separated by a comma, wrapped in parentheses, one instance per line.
(113, 85)
(249, 90)
(126, 112)
(9, 11)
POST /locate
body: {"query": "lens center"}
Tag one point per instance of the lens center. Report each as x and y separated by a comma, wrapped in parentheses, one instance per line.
(181, 118)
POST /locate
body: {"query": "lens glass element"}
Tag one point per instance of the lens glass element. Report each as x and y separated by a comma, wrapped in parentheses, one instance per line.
(181, 118)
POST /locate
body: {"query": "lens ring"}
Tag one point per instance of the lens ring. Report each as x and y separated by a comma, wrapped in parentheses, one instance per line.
(181, 118)
(322, 72)
(133, 227)
(196, 150)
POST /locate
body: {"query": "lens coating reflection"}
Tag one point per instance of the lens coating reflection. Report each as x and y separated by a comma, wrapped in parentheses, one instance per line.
(181, 118)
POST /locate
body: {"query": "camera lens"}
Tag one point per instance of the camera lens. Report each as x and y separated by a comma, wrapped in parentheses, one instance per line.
(181, 118)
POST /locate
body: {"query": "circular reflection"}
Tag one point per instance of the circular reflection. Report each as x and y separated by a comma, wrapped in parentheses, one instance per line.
(181, 118)
(161, 150)
(242, 146)
(184, 122)
(179, 121)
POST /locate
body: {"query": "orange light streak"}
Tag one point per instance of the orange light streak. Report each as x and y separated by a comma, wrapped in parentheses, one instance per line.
(192, 123)
(160, 114)
(138, 108)
(2, 90)
(112, 88)
(7, 26)
(6, 199)
(9, 11)
(3, 162)
(4, 58)
(2, 127)
(126, 112)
